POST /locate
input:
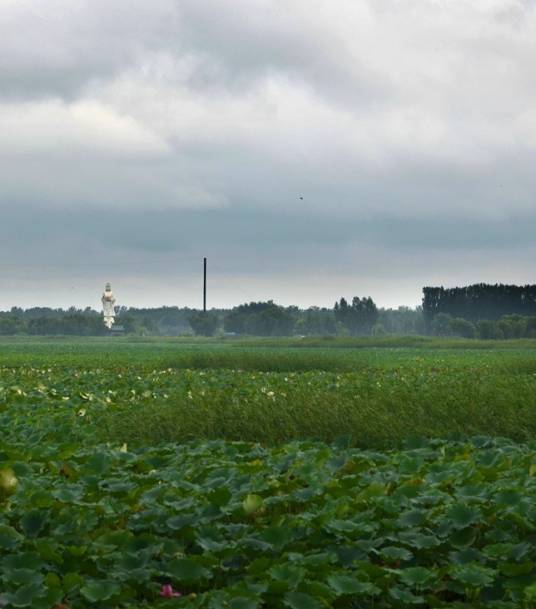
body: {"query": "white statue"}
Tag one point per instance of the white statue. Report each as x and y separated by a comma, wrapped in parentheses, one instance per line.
(108, 310)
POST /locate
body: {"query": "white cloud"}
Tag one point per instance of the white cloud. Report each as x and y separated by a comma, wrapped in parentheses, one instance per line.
(55, 128)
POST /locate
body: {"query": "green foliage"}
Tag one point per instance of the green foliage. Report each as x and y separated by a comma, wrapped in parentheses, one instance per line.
(359, 317)
(104, 507)
(232, 524)
(479, 301)
(139, 393)
(44, 321)
(378, 330)
(513, 326)
(507, 327)
(11, 325)
(462, 327)
(260, 319)
(489, 330)
(403, 321)
(374, 407)
(315, 321)
(204, 323)
(73, 322)
(441, 325)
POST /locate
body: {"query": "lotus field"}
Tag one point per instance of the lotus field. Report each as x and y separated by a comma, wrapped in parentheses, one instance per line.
(245, 475)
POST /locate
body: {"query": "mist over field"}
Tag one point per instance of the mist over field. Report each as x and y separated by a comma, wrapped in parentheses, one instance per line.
(309, 151)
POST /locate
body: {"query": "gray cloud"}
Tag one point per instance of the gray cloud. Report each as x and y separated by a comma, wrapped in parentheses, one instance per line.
(53, 48)
(137, 137)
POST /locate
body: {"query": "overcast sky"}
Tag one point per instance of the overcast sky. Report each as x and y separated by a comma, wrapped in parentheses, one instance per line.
(309, 148)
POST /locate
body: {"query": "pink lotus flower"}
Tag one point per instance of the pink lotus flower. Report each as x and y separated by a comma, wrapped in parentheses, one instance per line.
(168, 592)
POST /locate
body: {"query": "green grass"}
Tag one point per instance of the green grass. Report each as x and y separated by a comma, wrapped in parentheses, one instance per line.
(178, 390)
(373, 408)
(269, 355)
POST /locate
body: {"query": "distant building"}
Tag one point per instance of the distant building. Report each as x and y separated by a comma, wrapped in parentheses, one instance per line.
(118, 330)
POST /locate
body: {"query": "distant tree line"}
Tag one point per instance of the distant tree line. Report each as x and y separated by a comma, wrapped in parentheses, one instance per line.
(479, 301)
(476, 311)
(506, 327)
(480, 310)
(164, 321)
(360, 316)
(43, 321)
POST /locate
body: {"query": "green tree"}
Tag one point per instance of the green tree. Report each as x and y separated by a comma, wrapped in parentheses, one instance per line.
(462, 327)
(479, 301)
(378, 330)
(488, 330)
(402, 321)
(359, 317)
(10, 325)
(315, 321)
(204, 323)
(261, 319)
(440, 325)
(531, 327)
(513, 326)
